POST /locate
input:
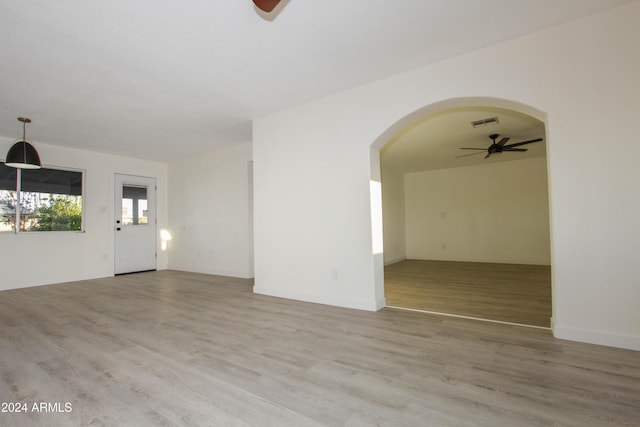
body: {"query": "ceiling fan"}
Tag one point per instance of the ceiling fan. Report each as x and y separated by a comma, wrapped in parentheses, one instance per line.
(500, 146)
(266, 5)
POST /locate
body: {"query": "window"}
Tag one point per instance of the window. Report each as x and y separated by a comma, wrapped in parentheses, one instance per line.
(40, 199)
(134, 205)
(8, 197)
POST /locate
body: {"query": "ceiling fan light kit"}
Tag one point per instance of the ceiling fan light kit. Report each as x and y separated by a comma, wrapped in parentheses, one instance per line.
(22, 154)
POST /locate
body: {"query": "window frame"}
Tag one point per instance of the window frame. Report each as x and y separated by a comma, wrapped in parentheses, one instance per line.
(16, 225)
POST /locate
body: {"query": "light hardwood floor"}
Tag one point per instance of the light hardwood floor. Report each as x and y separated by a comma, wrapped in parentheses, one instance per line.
(175, 349)
(512, 293)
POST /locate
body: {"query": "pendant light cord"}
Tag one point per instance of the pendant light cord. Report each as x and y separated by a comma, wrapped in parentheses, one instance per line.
(24, 138)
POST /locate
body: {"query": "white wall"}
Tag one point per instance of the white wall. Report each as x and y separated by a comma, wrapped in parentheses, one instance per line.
(393, 216)
(495, 212)
(210, 213)
(312, 222)
(39, 258)
(312, 171)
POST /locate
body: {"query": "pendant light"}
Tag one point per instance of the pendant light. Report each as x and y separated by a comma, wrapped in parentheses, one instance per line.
(22, 154)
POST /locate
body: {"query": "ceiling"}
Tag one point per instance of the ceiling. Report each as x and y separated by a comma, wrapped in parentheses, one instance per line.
(162, 79)
(435, 141)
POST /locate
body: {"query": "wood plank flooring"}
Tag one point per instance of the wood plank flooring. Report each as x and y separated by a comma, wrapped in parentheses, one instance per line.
(512, 293)
(177, 349)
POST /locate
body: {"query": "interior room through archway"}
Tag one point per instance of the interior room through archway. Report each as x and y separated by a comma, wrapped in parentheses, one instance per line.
(466, 216)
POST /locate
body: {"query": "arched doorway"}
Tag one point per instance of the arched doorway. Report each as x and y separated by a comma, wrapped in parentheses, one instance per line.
(464, 234)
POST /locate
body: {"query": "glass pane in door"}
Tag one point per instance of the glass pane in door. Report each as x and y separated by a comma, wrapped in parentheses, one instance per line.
(134, 205)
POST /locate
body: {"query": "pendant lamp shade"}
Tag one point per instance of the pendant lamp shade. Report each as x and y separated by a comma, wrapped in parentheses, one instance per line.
(22, 154)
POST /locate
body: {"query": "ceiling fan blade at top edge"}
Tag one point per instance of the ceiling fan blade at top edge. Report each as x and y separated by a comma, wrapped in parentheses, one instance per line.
(266, 5)
(514, 149)
(503, 141)
(468, 148)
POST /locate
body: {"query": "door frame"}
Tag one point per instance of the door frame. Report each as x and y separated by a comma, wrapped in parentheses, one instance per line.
(134, 180)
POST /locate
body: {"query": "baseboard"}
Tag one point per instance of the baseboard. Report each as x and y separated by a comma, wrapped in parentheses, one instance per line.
(320, 299)
(395, 260)
(481, 261)
(629, 342)
(213, 271)
(54, 281)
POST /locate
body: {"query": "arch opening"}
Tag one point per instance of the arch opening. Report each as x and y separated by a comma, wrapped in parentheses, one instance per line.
(485, 217)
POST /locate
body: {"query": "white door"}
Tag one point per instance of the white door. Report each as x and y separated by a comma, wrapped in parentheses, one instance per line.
(135, 224)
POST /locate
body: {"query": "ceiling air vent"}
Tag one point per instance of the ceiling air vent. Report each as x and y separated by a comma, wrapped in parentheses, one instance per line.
(485, 122)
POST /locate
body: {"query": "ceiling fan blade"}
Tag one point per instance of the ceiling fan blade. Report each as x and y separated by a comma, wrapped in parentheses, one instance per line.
(487, 156)
(266, 5)
(503, 141)
(468, 148)
(517, 144)
(514, 149)
(472, 154)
